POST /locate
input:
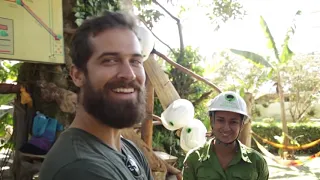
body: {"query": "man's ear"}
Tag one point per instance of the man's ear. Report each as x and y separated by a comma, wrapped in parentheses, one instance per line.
(77, 76)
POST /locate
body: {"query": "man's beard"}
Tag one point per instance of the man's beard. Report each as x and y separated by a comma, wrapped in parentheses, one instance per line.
(113, 112)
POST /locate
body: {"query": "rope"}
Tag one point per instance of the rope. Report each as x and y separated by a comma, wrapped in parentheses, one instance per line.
(281, 146)
(281, 161)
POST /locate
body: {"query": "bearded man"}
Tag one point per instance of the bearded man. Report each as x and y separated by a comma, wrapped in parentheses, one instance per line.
(108, 69)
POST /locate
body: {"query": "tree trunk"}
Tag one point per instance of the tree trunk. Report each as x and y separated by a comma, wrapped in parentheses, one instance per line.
(245, 135)
(147, 125)
(283, 115)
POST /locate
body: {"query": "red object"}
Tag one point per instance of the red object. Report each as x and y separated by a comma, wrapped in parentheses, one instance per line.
(3, 27)
(5, 51)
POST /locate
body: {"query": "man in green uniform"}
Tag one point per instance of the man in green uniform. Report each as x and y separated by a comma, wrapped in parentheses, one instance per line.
(108, 69)
(224, 157)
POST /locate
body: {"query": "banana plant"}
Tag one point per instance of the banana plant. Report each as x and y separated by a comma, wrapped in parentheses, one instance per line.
(274, 62)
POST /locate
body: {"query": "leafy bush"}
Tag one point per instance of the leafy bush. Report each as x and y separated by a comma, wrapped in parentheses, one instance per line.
(167, 141)
(304, 133)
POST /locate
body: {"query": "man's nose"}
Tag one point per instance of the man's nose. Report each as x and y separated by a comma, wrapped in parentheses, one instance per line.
(126, 72)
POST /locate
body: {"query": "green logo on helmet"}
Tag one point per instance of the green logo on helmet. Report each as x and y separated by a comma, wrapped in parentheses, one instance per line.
(230, 97)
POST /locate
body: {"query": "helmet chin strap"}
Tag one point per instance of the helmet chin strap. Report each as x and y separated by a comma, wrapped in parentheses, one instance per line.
(223, 143)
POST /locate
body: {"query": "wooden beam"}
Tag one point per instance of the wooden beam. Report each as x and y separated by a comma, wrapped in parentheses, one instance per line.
(69, 30)
(9, 88)
(154, 123)
(160, 81)
(147, 125)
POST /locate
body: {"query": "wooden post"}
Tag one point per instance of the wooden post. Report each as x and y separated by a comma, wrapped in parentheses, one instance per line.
(147, 125)
(161, 83)
(245, 135)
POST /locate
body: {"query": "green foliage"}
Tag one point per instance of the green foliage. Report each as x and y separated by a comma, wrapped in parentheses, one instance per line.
(303, 81)
(87, 8)
(201, 112)
(270, 40)
(5, 119)
(147, 14)
(163, 140)
(286, 52)
(224, 10)
(188, 87)
(185, 84)
(256, 59)
(6, 98)
(157, 109)
(276, 62)
(6, 123)
(303, 133)
(141, 3)
(8, 70)
(231, 70)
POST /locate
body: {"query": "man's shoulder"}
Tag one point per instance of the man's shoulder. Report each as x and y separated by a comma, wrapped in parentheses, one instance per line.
(60, 154)
(69, 147)
(80, 169)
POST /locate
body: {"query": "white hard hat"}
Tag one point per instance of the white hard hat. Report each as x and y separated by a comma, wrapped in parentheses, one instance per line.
(179, 113)
(146, 40)
(193, 135)
(229, 101)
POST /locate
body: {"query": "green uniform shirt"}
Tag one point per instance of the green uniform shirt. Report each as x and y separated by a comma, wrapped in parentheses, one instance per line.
(203, 164)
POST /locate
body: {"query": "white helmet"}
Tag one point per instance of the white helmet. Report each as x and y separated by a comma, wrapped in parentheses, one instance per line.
(193, 135)
(146, 40)
(229, 101)
(179, 113)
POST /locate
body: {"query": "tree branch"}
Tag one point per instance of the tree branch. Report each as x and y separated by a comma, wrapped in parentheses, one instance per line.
(302, 114)
(179, 29)
(203, 97)
(187, 71)
(306, 105)
(156, 36)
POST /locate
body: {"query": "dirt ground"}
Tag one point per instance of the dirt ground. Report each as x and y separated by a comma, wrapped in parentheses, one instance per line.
(309, 171)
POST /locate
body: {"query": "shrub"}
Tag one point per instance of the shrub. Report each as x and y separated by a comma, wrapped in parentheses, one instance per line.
(303, 132)
(167, 141)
